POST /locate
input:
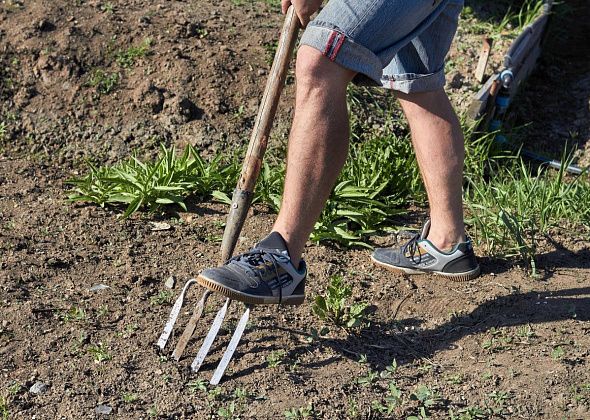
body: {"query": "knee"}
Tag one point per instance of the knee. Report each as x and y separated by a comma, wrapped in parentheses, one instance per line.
(315, 71)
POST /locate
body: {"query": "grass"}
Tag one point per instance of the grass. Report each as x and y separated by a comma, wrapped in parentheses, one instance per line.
(127, 58)
(334, 306)
(100, 353)
(509, 25)
(511, 206)
(4, 409)
(104, 82)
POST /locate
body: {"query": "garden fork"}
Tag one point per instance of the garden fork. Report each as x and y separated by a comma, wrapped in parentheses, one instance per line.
(242, 198)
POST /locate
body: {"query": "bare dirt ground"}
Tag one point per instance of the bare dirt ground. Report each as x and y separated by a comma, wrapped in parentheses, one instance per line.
(506, 344)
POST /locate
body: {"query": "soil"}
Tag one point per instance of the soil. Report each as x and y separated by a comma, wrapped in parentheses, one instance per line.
(514, 345)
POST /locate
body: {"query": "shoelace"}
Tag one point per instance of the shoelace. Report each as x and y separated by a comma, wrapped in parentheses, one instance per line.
(412, 248)
(251, 260)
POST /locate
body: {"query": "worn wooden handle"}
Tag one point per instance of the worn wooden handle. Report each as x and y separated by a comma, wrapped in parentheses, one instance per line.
(259, 139)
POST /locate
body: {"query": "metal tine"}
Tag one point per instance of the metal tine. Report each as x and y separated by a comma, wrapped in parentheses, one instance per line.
(190, 327)
(196, 365)
(231, 347)
(173, 315)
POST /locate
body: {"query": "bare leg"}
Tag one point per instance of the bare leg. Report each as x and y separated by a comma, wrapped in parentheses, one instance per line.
(438, 142)
(318, 146)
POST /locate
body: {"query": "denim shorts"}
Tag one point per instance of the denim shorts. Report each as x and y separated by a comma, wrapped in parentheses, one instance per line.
(396, 44)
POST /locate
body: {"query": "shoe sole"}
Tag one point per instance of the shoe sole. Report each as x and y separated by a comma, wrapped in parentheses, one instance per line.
(458, 277)
(247, 298)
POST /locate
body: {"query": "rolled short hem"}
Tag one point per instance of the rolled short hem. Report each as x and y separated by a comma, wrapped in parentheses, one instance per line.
(339, 48)
(415, 83)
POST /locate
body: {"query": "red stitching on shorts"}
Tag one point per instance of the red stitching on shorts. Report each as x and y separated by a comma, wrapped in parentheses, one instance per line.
(337, 47)
(330, 42)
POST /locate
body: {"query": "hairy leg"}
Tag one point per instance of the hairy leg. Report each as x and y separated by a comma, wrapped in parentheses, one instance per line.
(318, 146)
(438, 142)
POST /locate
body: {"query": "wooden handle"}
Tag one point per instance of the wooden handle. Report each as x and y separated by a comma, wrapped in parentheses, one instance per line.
(259, 139)
(270, 100)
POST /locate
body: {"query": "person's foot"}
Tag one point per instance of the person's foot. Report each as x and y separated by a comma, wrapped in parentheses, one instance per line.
(420, 256)
(264, 275)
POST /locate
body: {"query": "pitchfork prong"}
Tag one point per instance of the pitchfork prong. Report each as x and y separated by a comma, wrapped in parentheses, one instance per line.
(231, 347)
(173, 316)
(190, 327)
(208, 342)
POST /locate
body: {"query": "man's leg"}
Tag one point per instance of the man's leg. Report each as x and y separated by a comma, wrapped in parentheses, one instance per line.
(438, 142)
(318, 146)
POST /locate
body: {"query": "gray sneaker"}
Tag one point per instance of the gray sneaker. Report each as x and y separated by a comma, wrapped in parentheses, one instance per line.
(264, 275)
(420, 256)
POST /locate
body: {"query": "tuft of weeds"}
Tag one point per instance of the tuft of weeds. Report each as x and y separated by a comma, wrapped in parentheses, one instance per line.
(162, 298)
(334, 306)
(275, 358)
(4, 409)
(197, 385)
(100, 353)
(129, 397)
(300, 413)
(128, 58)
(166, 181)
(73, 314)
(512, 208)
(103, 81)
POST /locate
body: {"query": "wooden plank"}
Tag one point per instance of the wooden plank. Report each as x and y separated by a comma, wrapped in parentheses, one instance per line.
(484, 56)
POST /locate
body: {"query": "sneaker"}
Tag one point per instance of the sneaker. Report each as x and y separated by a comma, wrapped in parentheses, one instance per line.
(264, 275)
(420, 256)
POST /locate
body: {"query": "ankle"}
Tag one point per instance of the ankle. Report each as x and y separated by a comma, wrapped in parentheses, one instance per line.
(446, 242)
(293, 249)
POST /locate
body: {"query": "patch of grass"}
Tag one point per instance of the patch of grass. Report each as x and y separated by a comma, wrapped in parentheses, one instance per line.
(100, 352)
(129, 397)
(73, 314)
(197, 385)
(162, 298)
(107, 7)
(4, 408)
(300, 413)
(275, 358)
(165, 181)
(128, 58)
(557, 353)
(334, 306)
(103, 81)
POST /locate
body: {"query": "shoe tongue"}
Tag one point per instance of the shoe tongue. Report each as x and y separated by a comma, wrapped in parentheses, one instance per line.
(425, 230)
(274, 242)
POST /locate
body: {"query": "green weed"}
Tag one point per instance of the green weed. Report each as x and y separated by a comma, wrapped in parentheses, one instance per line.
(557, 353)
(197, 385)
(300, 413)
(73, 314)
(228, 412)
(100, 353)
(162, 298)
(127, 58)
(512, 209)
(334, 306)
(4, 409)
(128, 397)
(275, 358)
(104, 82)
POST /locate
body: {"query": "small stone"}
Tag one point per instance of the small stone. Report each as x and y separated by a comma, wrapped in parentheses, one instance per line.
(261, 72)
(98, 287)
(103, 409)
(38, 388)
(170, 282)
